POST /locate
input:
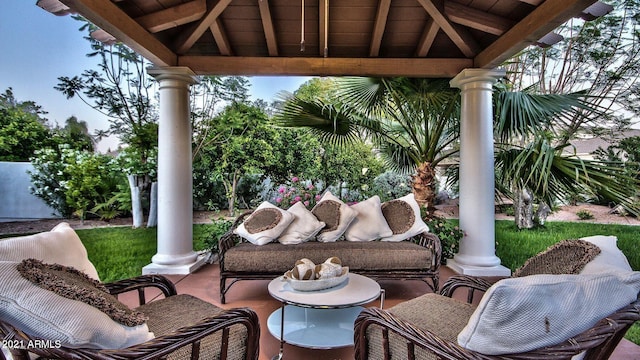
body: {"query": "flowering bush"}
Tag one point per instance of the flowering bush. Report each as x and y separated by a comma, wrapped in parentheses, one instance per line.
(296, 190)
(449, 234)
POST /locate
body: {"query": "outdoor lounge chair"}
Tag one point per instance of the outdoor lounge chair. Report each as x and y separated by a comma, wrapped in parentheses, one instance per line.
(184, 327)
(52, 305)
(584, 306)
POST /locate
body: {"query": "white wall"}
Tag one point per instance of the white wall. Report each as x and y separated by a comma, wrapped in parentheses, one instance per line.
(16, 201)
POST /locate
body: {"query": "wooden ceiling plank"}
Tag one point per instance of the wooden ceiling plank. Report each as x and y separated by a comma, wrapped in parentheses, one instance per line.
(220, 36)
(305, 66)
(173, 16)
(541, 21)
(190, 36)
(110, 18)
(267, 25)
(427, 38)
(477, 19)
(379, 26)
(461, 38)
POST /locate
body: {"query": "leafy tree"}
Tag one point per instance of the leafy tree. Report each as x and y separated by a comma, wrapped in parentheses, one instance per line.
(76, 134)
(22, 130)
(120, 90)
(243, 146)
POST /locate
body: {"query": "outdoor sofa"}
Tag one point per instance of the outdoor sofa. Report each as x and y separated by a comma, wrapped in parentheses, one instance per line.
(332, 229)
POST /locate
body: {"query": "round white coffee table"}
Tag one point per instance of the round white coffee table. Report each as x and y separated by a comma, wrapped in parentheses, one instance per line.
(320, 319)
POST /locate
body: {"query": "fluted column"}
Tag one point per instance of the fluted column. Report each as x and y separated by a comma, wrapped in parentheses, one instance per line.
(175, 177)
(477, 175)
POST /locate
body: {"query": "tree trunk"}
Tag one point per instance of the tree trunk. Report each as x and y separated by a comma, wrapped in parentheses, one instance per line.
(423, 184)
(152, 221)
(523, 208)
(542, 213)
(231, 193)
(136, 201)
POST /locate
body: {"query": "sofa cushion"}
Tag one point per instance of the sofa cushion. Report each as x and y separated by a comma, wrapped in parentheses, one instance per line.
(277, 258)
(610, 258)
(564, 257)
(369, 223)
(44, 314)
(403, 217)
(526, 313)
(335, 214)
(265, 224)
(76, 285)
(304, 226)
(61, 246)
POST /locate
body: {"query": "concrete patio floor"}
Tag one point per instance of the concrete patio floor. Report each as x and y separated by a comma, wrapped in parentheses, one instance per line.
(205, 284)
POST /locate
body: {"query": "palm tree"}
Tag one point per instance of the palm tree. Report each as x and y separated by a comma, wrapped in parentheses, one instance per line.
(415, 125)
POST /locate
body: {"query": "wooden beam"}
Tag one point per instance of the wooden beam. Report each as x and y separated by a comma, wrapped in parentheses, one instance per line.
(541, 21)
(459, 36)
(110, 18)
(173, 16)
(532, 2)
(267, 26)
(379, 26)
(427, 38)
(476, 19)
(304, 66)
(220, 36)
(189, 37)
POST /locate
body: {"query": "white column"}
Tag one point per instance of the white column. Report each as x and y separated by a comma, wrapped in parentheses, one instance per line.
(175, 186)
(477, 254)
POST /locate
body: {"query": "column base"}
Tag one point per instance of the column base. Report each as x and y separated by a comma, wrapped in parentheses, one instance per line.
(184, 269)
(464, 269)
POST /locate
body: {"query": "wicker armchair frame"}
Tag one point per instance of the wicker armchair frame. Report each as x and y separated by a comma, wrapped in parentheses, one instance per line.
(430, 276)
(598, 342)
(159, 347)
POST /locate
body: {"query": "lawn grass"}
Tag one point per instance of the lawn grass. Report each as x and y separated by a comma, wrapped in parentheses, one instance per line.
(121, 252)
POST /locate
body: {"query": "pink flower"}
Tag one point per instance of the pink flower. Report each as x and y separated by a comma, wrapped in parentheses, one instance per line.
(294, 179)
(281, 189)
(279, 200)
(318, 197)
(307, 195)
(310, 187)
(306, 203)
(297, 198)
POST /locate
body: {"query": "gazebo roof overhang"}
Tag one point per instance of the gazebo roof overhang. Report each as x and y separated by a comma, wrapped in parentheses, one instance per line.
(415, 38)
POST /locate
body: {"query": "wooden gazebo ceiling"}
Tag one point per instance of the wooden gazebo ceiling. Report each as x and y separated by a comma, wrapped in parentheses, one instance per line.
(418, 38)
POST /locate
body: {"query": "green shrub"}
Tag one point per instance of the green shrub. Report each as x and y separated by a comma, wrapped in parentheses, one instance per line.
(584, 214)
(449, 233)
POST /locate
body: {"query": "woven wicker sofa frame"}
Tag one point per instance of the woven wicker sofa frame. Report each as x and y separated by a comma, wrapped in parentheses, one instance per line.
(238, 330)
(380, 334)
(429, 273)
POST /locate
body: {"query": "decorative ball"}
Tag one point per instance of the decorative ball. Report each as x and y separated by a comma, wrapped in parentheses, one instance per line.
(304, 269)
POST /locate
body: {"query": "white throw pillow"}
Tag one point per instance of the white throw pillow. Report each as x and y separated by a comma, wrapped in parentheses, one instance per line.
(265, 224)
(369, 224)
(403, 217)
(44, 314)
(610, 258)
(335, 214)
(522, 314)
(61, 246)
(303, 228)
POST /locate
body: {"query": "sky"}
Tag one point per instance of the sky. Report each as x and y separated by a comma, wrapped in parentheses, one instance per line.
(37, 47)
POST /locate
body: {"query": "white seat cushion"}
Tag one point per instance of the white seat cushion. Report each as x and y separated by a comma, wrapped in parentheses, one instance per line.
(61, 246)
(44, 314)
(522, 314)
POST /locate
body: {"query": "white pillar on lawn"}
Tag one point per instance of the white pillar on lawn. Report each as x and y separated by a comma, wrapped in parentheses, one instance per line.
(175, 186)
(477, 254)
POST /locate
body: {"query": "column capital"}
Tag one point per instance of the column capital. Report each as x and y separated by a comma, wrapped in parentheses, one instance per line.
(467, 76)
(181, 73)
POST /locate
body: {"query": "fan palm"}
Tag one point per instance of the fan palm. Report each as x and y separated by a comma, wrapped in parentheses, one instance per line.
(415, 125)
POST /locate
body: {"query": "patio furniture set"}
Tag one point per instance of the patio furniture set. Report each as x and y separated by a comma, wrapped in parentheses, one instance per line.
(578, 297)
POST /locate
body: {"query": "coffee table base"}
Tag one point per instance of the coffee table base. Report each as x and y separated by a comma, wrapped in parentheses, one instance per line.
(315, 328)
